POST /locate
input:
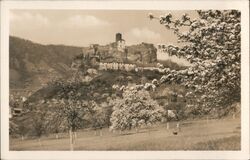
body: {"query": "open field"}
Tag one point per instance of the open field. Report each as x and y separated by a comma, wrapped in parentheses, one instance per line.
(223, 134)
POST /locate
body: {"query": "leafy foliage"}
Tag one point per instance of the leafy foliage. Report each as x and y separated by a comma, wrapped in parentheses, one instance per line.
(70, 113)
(39, 122)
(97, 116)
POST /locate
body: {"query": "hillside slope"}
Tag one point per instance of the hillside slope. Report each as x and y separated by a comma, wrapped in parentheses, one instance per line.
(32, 64)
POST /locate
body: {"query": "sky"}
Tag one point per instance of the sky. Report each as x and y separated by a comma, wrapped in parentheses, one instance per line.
(84, 27)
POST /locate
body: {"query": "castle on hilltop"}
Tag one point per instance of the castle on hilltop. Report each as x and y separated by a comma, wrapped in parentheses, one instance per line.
(117, 51)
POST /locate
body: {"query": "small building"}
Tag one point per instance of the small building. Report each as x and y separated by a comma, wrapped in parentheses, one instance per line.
(15, 112)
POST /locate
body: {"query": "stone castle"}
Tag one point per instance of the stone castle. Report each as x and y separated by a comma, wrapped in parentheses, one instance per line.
(117, 51)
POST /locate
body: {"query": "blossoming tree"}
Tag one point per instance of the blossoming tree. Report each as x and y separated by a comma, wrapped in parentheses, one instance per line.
(211, 43)
(134, 109)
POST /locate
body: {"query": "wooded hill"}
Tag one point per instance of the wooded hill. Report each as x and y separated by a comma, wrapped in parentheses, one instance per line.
(33, 65)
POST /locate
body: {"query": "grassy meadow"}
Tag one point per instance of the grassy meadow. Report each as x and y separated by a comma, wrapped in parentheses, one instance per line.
(223, 134)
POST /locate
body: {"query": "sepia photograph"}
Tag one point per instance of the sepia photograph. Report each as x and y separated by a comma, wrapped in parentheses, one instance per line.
(125, 79)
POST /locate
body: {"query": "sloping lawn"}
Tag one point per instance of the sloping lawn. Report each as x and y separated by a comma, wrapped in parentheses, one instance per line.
(221, 134)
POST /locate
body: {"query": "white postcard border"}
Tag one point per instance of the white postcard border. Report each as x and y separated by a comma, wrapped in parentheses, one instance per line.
(128, 5)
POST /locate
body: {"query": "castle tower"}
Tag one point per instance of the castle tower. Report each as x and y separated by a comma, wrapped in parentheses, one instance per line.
(120, 43)
(118, 37)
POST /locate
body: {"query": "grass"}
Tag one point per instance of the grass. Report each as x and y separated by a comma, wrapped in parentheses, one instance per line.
(229, 143)
(221, 134)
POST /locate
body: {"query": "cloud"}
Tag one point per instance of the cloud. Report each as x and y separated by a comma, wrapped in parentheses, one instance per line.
(164, 56)
(85, 21)
(144, 33)
(139, 35)
(26, 18)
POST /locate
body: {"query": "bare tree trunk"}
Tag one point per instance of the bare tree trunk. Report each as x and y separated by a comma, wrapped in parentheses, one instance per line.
(167, 126)
(39, 141)
(57, 136)
(75, 136)
(71, 140)
(22, 137)
(178, 126)
(101, 132)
